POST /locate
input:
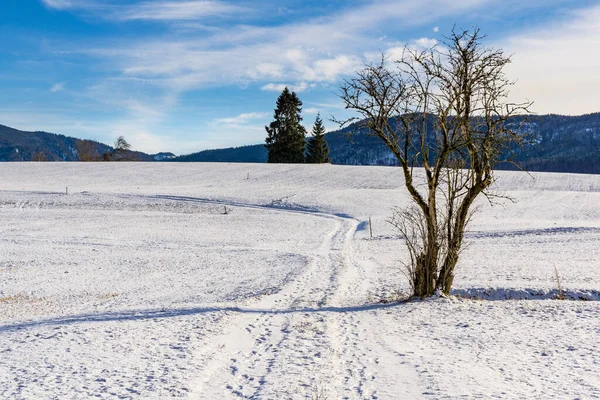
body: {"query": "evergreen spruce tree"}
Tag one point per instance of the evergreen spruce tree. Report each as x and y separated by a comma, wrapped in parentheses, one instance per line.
(317, 150)
(285, 135)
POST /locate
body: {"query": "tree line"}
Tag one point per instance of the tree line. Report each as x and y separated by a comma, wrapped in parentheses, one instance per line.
(286, 136)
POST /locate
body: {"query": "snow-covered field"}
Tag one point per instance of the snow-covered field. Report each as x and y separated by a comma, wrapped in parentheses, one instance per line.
(137, 284)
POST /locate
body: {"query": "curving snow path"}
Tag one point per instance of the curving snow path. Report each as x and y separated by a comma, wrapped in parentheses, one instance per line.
(307, 339)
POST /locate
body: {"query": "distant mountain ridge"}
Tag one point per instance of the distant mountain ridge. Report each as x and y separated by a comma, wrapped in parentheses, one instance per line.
(16, 145)
(558, 144)
(255, 153)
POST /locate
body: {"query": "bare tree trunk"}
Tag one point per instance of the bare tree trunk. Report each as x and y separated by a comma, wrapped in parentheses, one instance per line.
(426, 273)
(447, 272)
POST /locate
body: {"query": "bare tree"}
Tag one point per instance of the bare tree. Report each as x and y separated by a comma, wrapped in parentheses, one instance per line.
(120, 152)
(39, 156)
(86, 150)
(444, 109)
(122, 146)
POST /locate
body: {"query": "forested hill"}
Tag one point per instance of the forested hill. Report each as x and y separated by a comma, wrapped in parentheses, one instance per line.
(16, 145)
(563, 144)
(256, 153)
(559, 144)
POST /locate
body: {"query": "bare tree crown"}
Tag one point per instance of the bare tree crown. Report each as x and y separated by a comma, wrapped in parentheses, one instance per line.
(121, 144)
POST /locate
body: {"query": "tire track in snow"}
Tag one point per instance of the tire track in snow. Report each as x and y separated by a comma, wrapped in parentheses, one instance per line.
(293, 349)
(257, 355)
(300, 350)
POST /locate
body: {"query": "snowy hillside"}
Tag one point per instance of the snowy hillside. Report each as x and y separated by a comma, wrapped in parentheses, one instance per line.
(256, 281)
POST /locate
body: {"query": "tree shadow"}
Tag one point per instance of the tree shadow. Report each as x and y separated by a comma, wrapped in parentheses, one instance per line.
(140, 315)
(481, 294)
(504, 294)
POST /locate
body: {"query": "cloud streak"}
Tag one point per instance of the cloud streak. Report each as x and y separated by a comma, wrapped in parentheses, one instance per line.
(242, 118)
(278, 87)
(175, 11)
(162, 10)
(58, 87)
(60, 4)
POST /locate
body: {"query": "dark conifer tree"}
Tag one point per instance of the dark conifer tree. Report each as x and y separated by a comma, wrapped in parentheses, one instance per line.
(285, 135)
(317, 150)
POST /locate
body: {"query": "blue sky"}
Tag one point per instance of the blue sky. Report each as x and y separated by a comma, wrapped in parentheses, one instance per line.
(188, 75)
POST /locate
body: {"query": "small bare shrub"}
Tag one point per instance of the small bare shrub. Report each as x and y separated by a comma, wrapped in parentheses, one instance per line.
(319, 392)
(560, 290)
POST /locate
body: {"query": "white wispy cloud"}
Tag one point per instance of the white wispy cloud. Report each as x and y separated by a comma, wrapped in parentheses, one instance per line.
(59, 4)
(58, 87)
(90, 5)
(160, 10)
(278, 87)
(135, 99)
(242, 119)
(557, 66)
(311, 111)
(425, 43)
(175, 10)
(335, 103)
(245, 128)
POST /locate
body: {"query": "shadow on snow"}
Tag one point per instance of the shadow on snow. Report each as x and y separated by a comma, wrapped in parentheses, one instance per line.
(140, 315)
(487, 294)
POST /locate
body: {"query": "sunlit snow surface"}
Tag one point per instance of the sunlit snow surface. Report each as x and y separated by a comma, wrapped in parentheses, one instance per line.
(218, 281)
